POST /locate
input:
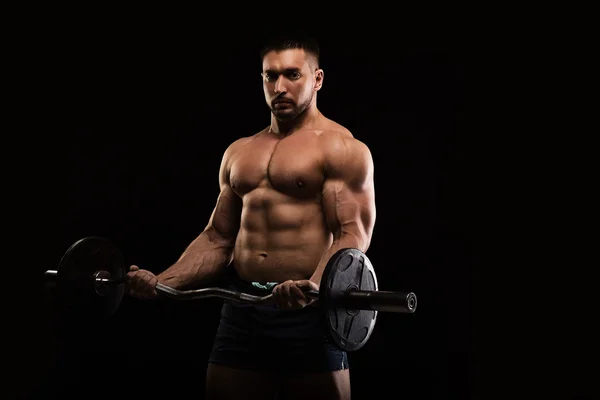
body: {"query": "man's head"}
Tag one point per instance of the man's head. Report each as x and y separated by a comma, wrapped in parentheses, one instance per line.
(291, 74)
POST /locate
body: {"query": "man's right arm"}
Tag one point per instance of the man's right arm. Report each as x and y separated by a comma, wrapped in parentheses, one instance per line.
(212, 250)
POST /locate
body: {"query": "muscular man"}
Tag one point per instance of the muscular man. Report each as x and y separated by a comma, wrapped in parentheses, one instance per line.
(291, 196)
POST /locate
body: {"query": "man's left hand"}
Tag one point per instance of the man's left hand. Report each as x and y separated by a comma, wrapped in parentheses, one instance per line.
(290, 294)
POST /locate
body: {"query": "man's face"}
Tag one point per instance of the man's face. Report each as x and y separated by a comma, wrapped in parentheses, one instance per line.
(290, 81)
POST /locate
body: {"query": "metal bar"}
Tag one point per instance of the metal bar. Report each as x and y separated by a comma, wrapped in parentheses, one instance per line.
(399, 302)
(378, 300)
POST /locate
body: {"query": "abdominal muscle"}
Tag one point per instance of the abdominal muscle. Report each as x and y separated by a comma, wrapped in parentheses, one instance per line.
(280, 238)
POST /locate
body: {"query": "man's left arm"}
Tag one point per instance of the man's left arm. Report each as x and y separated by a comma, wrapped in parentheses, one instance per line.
(348, 199)
(348, 202)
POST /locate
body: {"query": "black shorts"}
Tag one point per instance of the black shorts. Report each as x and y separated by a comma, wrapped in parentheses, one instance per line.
(266, 338)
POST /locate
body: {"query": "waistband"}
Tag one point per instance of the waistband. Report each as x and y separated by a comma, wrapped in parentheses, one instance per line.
(235, 283)
(255, 288)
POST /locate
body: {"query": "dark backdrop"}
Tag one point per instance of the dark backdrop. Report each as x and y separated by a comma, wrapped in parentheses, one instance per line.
(125, 131)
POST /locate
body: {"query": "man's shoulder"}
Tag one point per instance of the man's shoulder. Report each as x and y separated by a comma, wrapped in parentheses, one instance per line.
(335, 133)
(338, 135)
(337, 140)
(332, 128)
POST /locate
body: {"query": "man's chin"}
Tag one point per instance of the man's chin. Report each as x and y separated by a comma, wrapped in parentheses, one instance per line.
(284, 115)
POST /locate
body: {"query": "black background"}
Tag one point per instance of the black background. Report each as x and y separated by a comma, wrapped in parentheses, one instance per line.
(125, 125)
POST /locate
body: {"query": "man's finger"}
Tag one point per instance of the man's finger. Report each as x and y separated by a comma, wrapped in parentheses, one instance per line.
(298, 297)
(297, 293)
(277, 296)
(306, 284)
(285, 288)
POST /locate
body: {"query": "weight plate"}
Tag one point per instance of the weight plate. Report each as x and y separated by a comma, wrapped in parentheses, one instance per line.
(347, 270)
(78, 291)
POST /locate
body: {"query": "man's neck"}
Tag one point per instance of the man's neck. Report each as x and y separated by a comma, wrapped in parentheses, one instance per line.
(304, 120)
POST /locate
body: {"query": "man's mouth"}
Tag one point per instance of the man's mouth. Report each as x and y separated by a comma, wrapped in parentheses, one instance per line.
(280, 101)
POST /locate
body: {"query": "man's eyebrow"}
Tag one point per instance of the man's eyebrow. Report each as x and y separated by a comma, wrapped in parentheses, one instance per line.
(285, 71)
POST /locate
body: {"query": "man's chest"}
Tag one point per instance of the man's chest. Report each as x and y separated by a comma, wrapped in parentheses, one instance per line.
(292, 165)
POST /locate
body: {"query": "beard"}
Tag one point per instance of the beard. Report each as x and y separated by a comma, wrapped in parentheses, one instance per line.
(291, 112)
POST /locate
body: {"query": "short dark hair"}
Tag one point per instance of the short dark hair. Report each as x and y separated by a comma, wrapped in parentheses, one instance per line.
(292, 40)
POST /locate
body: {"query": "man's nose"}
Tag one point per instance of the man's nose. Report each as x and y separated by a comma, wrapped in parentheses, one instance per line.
(280, 85)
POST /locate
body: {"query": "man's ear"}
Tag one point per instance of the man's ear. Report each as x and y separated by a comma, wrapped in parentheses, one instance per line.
(318, 79)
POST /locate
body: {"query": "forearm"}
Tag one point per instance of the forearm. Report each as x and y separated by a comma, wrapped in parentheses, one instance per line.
(344, 241)
(202, 260)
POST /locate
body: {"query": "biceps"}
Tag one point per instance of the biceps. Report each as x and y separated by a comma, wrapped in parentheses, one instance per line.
(349, 212)
(225, 219)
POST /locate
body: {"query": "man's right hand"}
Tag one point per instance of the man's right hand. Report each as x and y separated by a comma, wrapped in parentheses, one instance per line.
(141, 283)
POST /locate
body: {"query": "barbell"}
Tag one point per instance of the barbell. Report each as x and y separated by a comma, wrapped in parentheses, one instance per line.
(91, 276)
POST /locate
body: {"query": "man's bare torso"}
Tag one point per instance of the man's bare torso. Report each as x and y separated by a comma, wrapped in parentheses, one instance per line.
(283, 232)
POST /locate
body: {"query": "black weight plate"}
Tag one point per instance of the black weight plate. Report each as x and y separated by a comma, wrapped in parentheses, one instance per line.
(348, 269)
(75, 278)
